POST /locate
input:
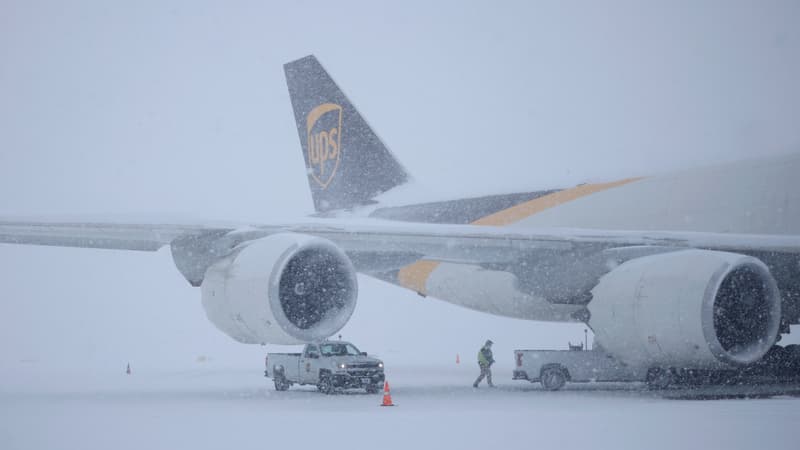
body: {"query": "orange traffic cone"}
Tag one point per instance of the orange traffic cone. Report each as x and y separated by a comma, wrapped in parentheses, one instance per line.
(458, 360)
(387, 396)
(128, 370)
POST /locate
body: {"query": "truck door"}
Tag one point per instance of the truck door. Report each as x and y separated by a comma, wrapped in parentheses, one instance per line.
(308, 372)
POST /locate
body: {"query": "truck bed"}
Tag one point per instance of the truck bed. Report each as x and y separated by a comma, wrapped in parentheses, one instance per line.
(288, 361)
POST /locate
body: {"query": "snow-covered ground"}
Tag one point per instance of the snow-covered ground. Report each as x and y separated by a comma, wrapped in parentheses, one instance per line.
(209, 407)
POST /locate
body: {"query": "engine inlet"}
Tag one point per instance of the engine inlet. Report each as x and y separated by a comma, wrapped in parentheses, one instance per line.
(314, 284)
(746, 313)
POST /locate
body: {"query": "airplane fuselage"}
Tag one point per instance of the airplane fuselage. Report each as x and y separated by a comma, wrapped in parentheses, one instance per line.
(756, 197)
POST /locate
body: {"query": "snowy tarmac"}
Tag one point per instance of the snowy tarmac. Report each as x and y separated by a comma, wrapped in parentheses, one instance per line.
(210, 407)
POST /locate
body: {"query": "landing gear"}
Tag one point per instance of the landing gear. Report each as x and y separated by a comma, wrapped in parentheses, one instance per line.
(660, 378)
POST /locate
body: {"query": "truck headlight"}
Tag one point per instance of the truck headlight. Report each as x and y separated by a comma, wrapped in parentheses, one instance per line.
(342, 366)
(380, 365)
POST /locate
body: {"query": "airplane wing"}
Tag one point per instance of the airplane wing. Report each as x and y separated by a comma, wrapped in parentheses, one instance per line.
(115, 236)
(533, 273)
(395, 244)
(559, 265)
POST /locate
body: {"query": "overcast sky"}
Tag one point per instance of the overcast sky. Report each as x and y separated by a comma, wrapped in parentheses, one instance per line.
(171, 107)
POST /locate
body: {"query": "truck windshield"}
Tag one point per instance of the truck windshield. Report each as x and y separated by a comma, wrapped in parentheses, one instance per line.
(338, 349)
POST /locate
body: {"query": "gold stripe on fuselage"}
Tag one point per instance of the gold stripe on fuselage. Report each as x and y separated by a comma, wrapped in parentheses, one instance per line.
(415, 276)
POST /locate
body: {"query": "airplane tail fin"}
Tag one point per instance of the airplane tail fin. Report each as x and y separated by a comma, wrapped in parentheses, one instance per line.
(347, 163)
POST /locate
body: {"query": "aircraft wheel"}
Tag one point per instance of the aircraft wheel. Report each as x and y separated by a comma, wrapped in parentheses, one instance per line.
(793, 355)
(658, 378)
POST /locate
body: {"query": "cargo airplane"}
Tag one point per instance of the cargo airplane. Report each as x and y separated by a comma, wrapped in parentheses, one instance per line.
(698, 268)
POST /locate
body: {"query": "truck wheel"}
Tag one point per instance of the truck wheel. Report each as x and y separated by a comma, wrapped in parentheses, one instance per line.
(553, 378)
(325, 384)
(658, 378)
(281, 384)
(372, 388)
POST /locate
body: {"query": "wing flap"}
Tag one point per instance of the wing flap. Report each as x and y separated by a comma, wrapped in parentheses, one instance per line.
(466, 243)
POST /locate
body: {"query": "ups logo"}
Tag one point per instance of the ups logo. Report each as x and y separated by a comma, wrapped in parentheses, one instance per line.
(324, 138)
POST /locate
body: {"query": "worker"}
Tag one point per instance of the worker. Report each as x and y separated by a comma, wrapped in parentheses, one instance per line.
(485, 361)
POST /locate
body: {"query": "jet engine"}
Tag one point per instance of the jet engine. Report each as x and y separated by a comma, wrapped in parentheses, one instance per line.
(690, 308)
(281, 289)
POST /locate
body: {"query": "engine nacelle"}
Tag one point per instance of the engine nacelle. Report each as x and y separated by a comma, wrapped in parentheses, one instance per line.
(282, 289)
(690, 308)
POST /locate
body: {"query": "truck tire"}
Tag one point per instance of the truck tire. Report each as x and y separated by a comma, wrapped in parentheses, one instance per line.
(372, 388)
(281, 383)
(553, 378)
(325, 384)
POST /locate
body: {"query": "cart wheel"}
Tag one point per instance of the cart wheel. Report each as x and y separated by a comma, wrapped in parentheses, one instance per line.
(553, 378)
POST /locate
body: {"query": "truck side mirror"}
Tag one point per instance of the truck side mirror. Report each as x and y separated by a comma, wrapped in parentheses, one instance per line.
(363, 353)
(313, 355)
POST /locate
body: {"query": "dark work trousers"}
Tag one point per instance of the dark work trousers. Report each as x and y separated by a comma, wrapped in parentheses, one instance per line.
(486, 371)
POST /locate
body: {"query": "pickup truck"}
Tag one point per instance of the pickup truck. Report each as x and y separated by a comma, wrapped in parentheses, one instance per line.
(553, 368)
(329, 365)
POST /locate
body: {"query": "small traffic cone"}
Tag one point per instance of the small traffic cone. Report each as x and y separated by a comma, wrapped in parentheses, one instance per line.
(458, 360)
(128, 370)
(387, 396)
